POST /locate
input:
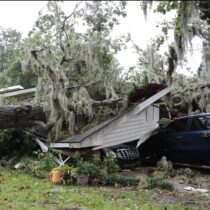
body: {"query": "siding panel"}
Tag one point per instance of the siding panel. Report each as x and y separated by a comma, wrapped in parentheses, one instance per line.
(133, 128)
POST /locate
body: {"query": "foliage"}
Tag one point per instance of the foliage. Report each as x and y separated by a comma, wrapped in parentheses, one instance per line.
(154, 66)
(136, 77)
(8, 101)
(191, 21)
(6, 135)
(164, 165)
(192, 18)
(155, 182)
(167, 6)
(66, 168)
(121, 180)
(111, 163)
(87, 168)
(83, 69)
(8, 39)
(41, 162)
(96, 160)
(95, 167)
(74, 69)
(11, 72)
(14, 142)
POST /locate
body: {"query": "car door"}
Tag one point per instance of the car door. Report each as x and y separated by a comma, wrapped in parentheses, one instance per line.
(198, 140)
(174, 144)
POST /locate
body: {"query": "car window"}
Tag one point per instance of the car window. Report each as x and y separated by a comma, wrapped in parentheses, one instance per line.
(179, 125)
(208, 122)
(198, 124)
(205, 120)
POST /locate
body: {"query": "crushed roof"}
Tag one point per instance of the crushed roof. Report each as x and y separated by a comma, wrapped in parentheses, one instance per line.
(77, 138)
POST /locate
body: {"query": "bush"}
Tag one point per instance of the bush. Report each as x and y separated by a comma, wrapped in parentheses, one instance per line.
(42, 162)
(65, 168)
(159, 183)
(13, 142)
(88, 168)
(111, 163)
(120, 180)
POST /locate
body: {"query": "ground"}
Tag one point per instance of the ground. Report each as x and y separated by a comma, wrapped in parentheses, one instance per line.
(20, 191)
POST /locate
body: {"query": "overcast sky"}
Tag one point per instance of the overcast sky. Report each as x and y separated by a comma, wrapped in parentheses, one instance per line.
(21, 15)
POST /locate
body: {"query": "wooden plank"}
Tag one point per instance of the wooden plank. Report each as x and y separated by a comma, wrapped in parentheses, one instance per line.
(18, 93)
(11, 88)
(59, 145)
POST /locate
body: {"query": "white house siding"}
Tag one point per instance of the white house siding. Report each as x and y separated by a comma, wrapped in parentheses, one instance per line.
(133, 128)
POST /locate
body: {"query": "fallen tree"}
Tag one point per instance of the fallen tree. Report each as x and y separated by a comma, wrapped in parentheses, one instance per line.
(20, 116)
(192, 99)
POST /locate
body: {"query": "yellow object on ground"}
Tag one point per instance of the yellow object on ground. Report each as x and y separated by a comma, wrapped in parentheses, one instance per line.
(56, 176)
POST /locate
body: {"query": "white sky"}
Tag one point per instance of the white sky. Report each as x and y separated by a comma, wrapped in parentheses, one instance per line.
(21, 15)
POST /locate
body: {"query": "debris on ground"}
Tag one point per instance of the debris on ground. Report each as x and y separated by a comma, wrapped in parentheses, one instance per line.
(164, 169)
(192, 189)
(165, 165)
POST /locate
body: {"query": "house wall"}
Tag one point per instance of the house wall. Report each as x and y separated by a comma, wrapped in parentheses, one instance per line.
(133, 128)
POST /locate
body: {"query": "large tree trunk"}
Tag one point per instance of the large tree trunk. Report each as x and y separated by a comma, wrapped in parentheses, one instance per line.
(20, 117)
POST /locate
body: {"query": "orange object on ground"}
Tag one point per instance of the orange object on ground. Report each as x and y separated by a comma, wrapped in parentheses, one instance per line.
(56, 176)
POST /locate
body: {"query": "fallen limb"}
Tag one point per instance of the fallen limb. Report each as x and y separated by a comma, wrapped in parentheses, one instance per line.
(20, 116)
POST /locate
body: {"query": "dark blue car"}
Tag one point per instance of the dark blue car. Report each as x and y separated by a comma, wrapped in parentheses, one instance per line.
(185, 141)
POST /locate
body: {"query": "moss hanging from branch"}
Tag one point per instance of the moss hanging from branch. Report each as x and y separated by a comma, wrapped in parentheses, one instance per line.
(70, 64)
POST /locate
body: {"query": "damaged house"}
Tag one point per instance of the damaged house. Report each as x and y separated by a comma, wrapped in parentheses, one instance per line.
(136, 124)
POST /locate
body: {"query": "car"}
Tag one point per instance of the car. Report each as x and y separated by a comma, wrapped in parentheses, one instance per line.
(186, 140)
(127, 155)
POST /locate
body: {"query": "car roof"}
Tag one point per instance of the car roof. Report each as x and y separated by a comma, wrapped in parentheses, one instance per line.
(193, 115)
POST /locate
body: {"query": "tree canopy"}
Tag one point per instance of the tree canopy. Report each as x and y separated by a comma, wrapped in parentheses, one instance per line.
(70, 58)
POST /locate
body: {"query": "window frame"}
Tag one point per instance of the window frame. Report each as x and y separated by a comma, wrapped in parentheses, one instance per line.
(195, 120)
(187, 125)
(207, 118)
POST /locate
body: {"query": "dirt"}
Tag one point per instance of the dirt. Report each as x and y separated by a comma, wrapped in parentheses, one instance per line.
(179, 177)
(167, 198)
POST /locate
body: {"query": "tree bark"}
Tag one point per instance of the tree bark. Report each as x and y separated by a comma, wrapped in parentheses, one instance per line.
(20, 116)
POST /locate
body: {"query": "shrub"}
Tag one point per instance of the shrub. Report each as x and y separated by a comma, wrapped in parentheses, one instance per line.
(13, 142)
(42, 162)
(88, 168)
(120, 180)
(65, 168)
(159, 183)
(111, 163)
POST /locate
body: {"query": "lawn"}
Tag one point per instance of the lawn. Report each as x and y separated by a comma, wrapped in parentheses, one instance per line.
(19, 191)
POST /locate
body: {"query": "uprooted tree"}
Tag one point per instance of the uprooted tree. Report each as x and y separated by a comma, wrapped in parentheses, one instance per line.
(75, 70)
(78, 77)
(20, 116)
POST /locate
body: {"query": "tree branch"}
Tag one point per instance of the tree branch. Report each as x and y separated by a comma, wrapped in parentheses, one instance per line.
(106, 102)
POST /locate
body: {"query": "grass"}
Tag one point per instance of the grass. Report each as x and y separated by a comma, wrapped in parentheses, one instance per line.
(19, 191)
